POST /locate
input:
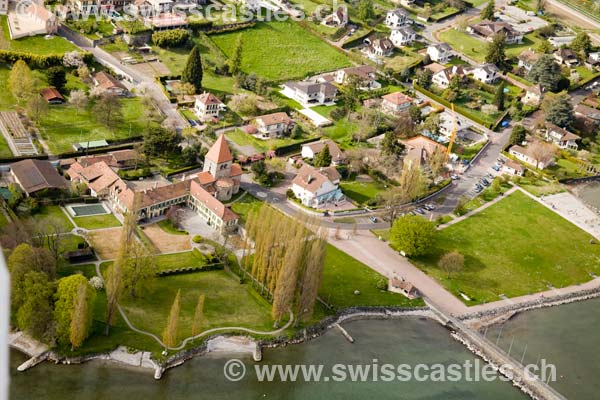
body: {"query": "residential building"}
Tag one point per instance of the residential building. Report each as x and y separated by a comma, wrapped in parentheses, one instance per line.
(52, 96)
(440, 52)
(533, 95)
(527, 59)
(486, 73)
(380, 47)
(365, 74)
(317, 187)
(404, 287)
(34, 176)
(274, 125)
(419, 150)
(396, 103)
(207, 106)
(443, 77)
(488, 29)
(512, 167)
(3, 7)
(396, 18)
(588, 113)
(98, 177)
(338, 18)
(311, 92)
(311, 150)
(107, 83)
(561, 137)
(121, 159)
(594, 59)
(83, 6)
(522, 154)
(566, 57)
(446, 125)
(403, 36)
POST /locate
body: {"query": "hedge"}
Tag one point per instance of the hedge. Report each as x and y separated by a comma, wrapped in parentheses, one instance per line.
(447, 104)
(230, 28)
(583, 82)
(171, 38)
(184, 169)
(290, 148)
(37, 61)
(356, 41)
(187, 270)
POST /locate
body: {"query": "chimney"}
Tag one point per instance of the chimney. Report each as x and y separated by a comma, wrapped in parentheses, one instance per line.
(183, 177)
(309, 179)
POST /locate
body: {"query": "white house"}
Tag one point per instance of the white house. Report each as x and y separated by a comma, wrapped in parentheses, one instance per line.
(366, 74)
(207, 106)
(513, 168)
(442, 78)
(274, 125)
(486, 73)
(403, 36)
(446, 125)
(396, 103)
(311, 92)
(522, 154)
(527, 59)
(533, 95)
(566, 57)
(380, 47)
(107, 83)
(561, 137)
(439, 52)
(317, 187)
(396, 18)
(594, 58)
(310, 151)
(338, 18)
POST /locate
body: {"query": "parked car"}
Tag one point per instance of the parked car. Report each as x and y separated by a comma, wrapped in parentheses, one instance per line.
(478, 189)
(454, 177)
(501, 160)
(373, 219)
(192, 122)
(420, 211)
(496, 168)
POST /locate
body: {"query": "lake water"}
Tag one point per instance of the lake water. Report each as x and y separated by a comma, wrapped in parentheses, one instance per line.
(589, 193)
(408, 340)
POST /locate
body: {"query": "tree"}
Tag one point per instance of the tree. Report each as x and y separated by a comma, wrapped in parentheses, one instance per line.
(582, 43)
(546, 72)
(51, 235)
(558, 109)
(57, 77)
(424, 77)
(37, 107)
(78, 99)
(21, 82)
(323, 159)
(236, 59)
(499, 97)
(437, 161)
(415, 114)
(542, 153)
(159, 141)
(496, 50)
(411, 185)
(312, 276)
(349, 94)
(192, 72)
(67, 295)
(170, 332)
(391, 146)
(452, 262)
(114, 290)
(198, 316)
(108, 110)
(81, 317)
(73, 59)
(488, 11)
(412, 234)
(139, 270)
(545, 47)
(518, 134)
(35, 314)
(365, 10)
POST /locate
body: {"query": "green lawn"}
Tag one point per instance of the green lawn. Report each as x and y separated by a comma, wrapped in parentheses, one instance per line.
(245, 205)
(343, 274)
(361, 192)
(167, 226)
(241, 138)
(33, 44)
(180, 260)
(55, 212)
(97, 221)
(63, 125)
(281, 50)
(515, 247)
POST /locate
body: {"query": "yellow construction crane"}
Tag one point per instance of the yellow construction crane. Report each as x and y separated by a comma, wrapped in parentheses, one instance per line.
(454, 129)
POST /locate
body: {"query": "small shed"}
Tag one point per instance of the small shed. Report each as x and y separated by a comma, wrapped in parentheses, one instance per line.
(52, 96)
(404, 287)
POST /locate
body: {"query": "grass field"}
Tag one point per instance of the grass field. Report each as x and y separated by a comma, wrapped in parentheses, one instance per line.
(515, 247)
(245, 205)
(343, 274)
(63, 125)
(93, 222)
(55, 212)
(33, 44)
(179, 260)
(167, 226)
(361, 192)
(281, 50)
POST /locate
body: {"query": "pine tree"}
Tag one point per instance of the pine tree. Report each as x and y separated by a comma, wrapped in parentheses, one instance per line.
(236, 59)
(192, 73)
(170, 332)
(198, 316)
(488, 11)
(323, 159)
(499, 97)
(496, 50)
(79, 328)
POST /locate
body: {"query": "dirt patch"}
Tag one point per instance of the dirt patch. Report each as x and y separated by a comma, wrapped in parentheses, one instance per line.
(166, 242)
(105, 243)
(151, 68)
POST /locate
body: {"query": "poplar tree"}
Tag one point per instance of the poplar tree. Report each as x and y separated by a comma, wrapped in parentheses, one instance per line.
(198, 316)
(170, 332)
(192, 73)
(79, 328)
(311, 279)
(114, 289)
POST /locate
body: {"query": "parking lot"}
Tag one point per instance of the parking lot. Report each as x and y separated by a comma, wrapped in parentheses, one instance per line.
(520, 20)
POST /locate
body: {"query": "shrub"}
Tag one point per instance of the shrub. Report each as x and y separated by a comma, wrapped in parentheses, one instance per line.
(197, 239)
(382, 283)
(171, 38)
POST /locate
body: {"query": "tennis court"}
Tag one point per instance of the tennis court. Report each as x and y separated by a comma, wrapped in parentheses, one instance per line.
(86, 210)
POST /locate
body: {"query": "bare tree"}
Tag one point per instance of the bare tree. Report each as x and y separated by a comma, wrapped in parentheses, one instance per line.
(542, 153)
(452, 262)
(78, 99)
(51, 233)
(412, 185)
(437, 161)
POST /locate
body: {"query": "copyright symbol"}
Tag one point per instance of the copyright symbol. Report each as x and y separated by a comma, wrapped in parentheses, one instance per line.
(234, 370)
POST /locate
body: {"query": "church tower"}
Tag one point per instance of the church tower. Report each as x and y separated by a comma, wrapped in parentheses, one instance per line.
(218, 160)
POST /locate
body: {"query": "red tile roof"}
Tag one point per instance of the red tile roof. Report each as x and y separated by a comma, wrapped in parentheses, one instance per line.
(219, 152)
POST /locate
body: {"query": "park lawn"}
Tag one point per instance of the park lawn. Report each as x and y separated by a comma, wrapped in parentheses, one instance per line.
(33, 44)
(227, 303)
(343, 275)
(529, 41)
(513, 248)
(399, 63)
(361, 192)
(242, 138)
(94, 222)
(245, 206)
(540, 187)
(281, 50)
(167, 226)
(63, 125)
(465, 43)
(52, 211)
(179, 260)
